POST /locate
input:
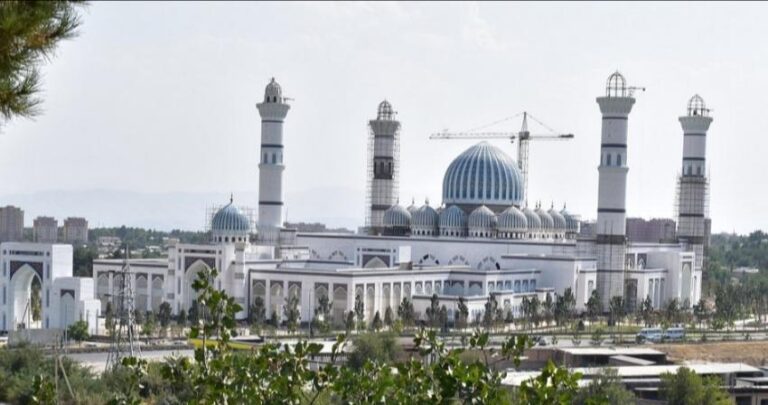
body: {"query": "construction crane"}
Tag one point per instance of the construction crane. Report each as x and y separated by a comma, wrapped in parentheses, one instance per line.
(524, 137)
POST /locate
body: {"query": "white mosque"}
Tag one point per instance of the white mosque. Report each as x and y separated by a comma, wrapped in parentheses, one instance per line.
(482, 240)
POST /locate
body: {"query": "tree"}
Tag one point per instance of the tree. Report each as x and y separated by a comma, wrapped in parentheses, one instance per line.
(181, 318)
(139, 316)
(377, 323)
(553, 386)
(606, 388)
(291, 312)
(323, 313)
(462, 313)
(36, 301)
(360, 312)
(594, 306)
(646, 311)
(672, 311)
(617, 310)
(194, 313)
(274, 319)
(78, 331)
(388, 317)
(258, 313)
(549, 310)
(701, 312)
(688, 388)
(109, 318)
(433, 312)
(405, 312)
(164, 314)
(378, 347)
(349, 322)
(444, 318)
(29, 35)
(489, 312)
(535, 308)
(149, 325)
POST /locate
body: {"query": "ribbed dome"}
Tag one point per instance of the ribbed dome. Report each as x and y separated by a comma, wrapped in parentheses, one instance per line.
(453, 221)
(397, 217)
(229, 219)
(482, 175)
(558, 220)
(534, 221)
(482, 218)
(273, 93)
(385, 111)
(571, 222)
(425, 220)
(412, 208)
(547, 223)
(512, 220)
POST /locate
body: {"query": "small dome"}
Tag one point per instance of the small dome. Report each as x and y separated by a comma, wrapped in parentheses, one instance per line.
(559, 223)
(397, 217)
(483, 175)
(512, 220)
(425, 220)
(482, 218)
(229, 219)
(534, 221)
(412, 208)
(385, 111)
(616, 86)
(547, 223)
(571, 222)
(453, 219)
(273, 93)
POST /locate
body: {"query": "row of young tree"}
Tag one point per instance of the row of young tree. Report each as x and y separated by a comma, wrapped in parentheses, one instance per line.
(303, 374)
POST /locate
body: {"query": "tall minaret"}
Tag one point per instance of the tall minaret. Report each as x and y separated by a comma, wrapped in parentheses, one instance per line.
(383, 164)
(692, 184)
(273, 111)
(612, 188)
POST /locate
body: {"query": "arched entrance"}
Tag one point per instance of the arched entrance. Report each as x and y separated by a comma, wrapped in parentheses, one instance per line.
(190, 295)
(21, 299)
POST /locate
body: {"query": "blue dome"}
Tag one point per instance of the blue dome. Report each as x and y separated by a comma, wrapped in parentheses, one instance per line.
(482, 218)
(425, 220)
(397, 216)
(453, 222)
(230, 219)
(483, 175)
(558, 219)
(547, 223)
(571, 221)
(533, 220)
(512, 220)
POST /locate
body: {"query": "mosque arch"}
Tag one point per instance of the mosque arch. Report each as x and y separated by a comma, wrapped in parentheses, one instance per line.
(339, 303)
(458, 260)
(488, 263)
(190, 275)
(21, 297)
(338, 255)
(375, 263)
(429, 260)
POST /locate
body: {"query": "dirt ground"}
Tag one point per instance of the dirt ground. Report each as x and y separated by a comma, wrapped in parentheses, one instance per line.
(752, 353)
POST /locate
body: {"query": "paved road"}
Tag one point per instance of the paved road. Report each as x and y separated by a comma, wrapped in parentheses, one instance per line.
(98, 361)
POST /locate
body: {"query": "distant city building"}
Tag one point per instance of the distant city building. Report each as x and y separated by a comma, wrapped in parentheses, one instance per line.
(45, 230)
(11, 224)
(75, 230)
(653, 230)
(106, 245)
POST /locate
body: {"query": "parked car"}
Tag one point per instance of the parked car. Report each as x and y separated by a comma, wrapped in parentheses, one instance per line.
(654, 335)
(674, 334)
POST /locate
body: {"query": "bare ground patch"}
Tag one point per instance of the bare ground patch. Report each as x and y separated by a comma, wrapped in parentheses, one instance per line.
(752, 353)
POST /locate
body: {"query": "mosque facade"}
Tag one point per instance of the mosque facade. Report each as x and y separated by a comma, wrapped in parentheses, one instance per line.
(482, 240)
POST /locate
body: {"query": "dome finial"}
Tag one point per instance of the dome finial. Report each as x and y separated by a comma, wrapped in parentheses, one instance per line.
(231, 197)
(426, 200)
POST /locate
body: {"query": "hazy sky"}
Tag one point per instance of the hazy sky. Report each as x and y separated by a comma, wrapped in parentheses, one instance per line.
(157, 97)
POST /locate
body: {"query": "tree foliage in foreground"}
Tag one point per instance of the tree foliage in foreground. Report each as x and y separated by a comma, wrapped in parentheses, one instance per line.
(283, 374)
(29, 34)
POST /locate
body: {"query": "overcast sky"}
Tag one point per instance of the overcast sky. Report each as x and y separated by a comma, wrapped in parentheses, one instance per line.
(160, 98)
